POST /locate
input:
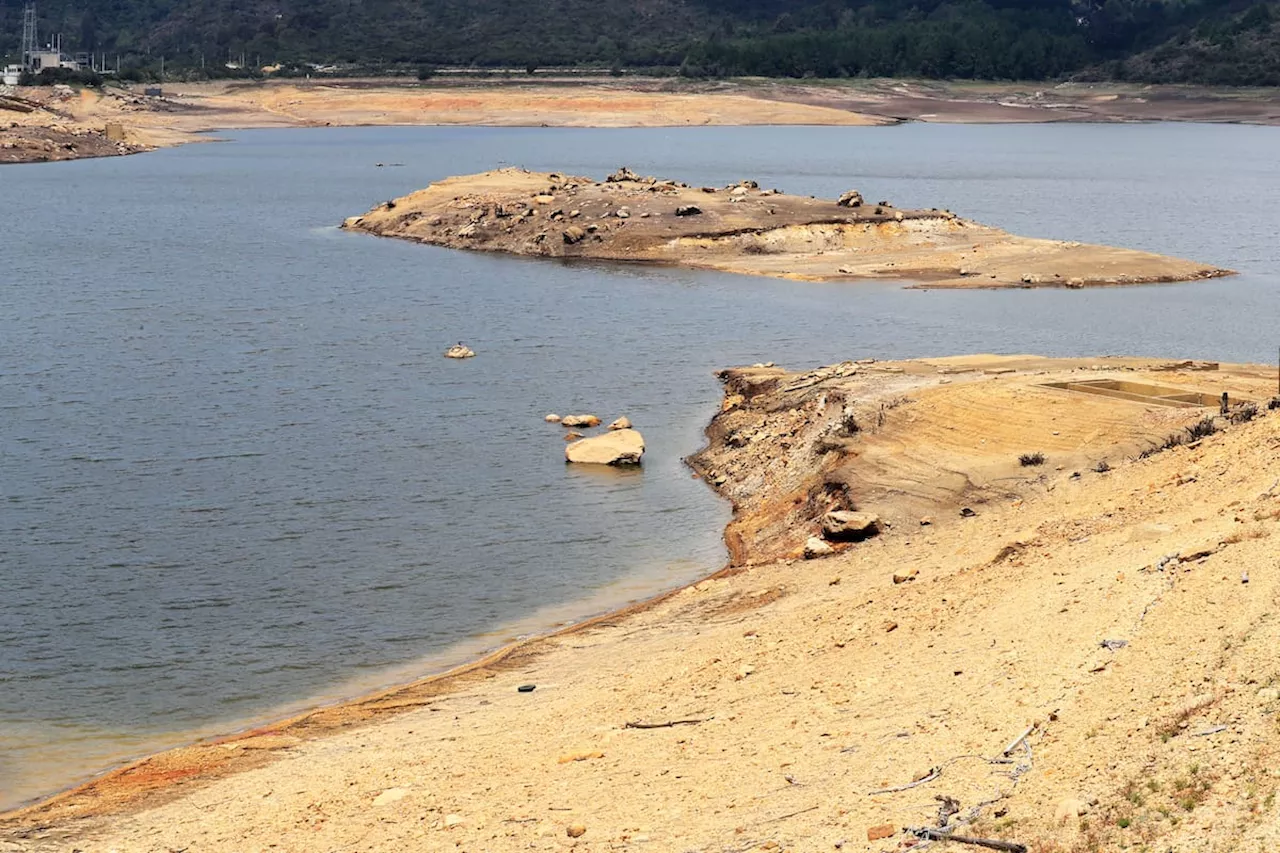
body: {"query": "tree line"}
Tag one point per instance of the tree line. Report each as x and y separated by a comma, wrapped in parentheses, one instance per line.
(1194, 41)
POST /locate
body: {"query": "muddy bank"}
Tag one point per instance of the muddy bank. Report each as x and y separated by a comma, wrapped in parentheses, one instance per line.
(748, 229)
(1082, 661)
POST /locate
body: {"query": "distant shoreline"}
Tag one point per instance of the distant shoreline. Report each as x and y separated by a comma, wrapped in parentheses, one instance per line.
(55, 123)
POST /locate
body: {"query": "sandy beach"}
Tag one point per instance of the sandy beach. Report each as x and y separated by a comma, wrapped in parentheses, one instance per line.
(75, 124)
(1071, 653)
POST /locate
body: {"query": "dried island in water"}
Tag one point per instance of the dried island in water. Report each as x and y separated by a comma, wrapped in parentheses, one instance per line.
(746, 229)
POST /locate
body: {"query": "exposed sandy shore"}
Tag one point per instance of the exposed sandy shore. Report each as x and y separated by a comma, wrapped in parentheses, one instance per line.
(187, 109)
(747, 229)
(818, 704)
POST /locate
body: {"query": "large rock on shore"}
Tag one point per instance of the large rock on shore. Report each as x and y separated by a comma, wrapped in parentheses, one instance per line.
(845, 526)
(815, 548)
(620, 447)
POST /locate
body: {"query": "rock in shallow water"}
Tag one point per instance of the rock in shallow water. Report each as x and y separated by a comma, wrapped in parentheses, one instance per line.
(619, 447)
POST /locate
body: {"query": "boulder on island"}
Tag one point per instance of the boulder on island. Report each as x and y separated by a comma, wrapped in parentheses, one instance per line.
(623, 422)
(459, 350)
(852, 198)
(620, 447)
(580, 421)
(845, 526)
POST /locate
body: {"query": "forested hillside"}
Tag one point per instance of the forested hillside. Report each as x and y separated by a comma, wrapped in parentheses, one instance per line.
(1207, 41)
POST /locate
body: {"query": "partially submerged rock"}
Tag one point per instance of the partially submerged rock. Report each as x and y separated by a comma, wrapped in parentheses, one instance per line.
(459, 351)
(623, 422)
(620, 447)
(580, 421)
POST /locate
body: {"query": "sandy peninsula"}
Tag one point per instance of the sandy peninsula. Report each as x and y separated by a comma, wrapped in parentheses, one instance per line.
(1054, 627)
(748, 229)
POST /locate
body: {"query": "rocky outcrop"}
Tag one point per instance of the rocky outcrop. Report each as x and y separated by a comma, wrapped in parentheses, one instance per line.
(580, 421)
(620, 447)
(623, 422)
(459, 351)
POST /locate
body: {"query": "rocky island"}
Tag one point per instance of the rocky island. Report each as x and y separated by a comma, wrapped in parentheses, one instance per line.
(744, 228)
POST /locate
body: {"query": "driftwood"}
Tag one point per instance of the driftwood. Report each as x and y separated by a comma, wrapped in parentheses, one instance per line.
(933, 773)
(929, 834)
(947, 806)
(785, 816)
(1212, 731)
(1013, 744)
(666, 725)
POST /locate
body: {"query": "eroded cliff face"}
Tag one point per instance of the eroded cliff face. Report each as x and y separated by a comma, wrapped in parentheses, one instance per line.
(747, 229)
(913, 441)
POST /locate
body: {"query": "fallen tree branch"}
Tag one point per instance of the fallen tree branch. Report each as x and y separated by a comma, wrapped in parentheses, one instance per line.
(930, 834)
(785, 816)
(1212, 731)
(1013, 744)
(639, 725)
(933, 773)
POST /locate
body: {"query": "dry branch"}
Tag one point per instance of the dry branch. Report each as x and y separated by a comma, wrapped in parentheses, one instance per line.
(1013, 744)
(668, 724)
(933, 773)
(990, 843)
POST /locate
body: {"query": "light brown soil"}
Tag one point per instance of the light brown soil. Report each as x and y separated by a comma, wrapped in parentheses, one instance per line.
(746, 229)
(188, 108)
(804, 703)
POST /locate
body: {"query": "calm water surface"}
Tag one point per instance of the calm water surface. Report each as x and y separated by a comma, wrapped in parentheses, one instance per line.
(237, 477)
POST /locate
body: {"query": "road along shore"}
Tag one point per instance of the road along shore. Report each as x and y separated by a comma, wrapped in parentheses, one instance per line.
(1059, 632)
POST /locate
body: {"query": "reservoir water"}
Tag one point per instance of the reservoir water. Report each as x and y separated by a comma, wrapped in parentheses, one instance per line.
(237, 477)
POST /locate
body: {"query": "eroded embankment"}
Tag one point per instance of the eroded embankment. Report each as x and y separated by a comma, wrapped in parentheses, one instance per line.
(1084, 660)
(746, 229)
